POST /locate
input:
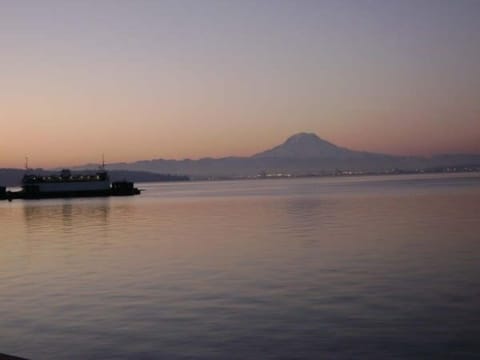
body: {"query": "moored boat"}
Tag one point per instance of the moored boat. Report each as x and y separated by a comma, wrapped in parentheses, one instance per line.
(68, 185)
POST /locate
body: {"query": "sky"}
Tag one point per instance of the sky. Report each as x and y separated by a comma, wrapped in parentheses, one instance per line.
(181, 79)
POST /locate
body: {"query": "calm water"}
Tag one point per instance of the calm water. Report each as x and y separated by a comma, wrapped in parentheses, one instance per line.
(374, 267)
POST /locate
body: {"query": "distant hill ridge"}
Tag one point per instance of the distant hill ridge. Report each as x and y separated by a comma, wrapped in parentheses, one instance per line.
(301, 154)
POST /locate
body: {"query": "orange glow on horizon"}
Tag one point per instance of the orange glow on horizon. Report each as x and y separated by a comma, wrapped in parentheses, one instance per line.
(157, 81)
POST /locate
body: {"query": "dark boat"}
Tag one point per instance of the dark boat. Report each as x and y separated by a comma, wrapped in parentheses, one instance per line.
(69, 185)
(3, 193)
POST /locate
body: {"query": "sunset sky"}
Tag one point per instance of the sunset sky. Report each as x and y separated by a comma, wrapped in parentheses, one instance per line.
(189, 79)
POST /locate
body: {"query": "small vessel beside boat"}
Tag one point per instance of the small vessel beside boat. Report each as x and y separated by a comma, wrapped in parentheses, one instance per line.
(69, 185)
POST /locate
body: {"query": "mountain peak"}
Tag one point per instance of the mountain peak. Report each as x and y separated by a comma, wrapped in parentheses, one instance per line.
(305, 145)
(302, 137)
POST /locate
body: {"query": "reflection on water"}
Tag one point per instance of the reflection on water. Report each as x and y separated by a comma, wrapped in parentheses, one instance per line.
(66, 214)
(311, 268)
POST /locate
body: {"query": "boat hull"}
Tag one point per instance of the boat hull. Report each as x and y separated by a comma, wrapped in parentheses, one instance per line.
(12, 195)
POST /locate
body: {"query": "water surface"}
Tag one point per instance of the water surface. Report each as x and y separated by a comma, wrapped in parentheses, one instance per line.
(371, 267)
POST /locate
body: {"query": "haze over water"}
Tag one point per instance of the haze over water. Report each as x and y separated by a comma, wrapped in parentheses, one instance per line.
(373, 267)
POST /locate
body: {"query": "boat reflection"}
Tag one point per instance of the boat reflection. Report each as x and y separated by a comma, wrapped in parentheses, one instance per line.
(64, 215)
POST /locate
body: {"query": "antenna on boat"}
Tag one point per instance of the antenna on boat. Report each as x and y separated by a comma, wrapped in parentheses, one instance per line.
(26, 163)
(103, 175)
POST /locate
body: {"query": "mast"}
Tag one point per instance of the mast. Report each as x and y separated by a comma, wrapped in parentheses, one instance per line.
(101, 167)
(102, 172)
(26, 164)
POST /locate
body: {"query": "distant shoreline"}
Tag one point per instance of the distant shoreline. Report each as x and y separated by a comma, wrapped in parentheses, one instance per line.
(11, 178)
(221, 179)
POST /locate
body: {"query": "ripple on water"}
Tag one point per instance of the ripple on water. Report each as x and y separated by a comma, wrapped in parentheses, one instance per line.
(382, 267)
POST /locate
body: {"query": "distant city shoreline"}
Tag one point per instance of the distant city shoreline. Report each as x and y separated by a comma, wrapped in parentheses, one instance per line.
(12, 177)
